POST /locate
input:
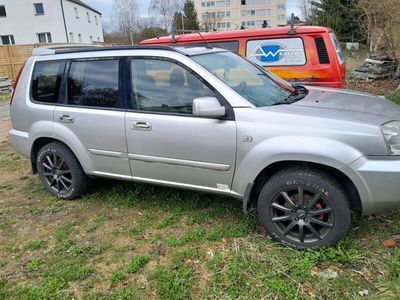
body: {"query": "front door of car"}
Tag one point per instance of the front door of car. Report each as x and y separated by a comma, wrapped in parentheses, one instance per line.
(166, 143)
(92, 117)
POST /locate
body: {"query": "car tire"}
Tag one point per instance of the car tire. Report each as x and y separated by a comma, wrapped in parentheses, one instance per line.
(61, 172)
(304, 208)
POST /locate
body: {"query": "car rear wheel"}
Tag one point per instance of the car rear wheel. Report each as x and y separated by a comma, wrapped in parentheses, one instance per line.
(304, 208)
(61, 172)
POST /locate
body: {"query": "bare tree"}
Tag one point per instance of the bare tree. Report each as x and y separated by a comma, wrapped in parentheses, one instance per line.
(126, 18)
(166, 10)
(209, 20)
(382, 22)
(305, 9)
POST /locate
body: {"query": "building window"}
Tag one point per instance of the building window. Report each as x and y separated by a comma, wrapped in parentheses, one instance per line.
(98, 39)
(80, 38)
(44, 37)
(7, 40)
(3, 12)
(95, 19)
(281, 6)
(208, 4)
(91, 39)
(88, 16)
(76, 12)
(71, 37)
(39, 9)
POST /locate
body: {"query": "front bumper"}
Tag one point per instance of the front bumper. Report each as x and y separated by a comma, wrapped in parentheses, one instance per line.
(377, 179)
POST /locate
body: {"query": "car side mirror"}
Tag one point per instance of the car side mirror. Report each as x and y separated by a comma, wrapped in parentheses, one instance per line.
(208, 107)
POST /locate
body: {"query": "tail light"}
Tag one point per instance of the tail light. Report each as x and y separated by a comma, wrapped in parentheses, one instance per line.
(15, 83)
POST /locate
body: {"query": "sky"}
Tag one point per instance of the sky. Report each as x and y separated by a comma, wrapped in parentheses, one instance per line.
(105, 7)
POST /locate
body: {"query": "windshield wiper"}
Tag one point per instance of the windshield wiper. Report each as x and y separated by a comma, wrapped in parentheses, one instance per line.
(299, 93)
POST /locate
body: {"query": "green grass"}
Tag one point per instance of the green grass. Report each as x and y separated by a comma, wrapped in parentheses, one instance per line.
(5, 96)
(394, 96)
(133, 241)
(137, 263)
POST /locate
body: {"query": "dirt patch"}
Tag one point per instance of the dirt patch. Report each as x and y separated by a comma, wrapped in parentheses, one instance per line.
(5, 126)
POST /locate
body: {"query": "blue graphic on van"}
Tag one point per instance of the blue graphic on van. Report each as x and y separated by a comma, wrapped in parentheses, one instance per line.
(271, 53)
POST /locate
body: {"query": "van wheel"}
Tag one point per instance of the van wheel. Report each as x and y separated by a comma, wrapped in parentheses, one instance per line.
(61, 172)
(304, 208)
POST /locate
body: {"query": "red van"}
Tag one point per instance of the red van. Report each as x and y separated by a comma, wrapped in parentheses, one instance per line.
(303, 54)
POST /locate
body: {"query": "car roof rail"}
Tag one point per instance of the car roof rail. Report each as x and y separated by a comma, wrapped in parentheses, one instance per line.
(62, 49)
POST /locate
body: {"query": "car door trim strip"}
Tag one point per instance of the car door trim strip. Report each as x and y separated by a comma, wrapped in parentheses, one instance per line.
(179, 162)
(106, 153)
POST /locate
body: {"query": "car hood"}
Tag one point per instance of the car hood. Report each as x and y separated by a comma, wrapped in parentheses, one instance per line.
(344, 105)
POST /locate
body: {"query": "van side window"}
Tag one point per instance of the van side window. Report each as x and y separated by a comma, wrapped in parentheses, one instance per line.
(46, 81)
(93, 83)
(165, 86)
(232, 46)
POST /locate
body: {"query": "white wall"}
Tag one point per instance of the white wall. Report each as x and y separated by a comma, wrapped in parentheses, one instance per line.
(81, 25)
(22, 22)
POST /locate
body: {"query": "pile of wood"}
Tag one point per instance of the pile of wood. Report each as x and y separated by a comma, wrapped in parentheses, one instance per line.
(5, 85)
(376, 67)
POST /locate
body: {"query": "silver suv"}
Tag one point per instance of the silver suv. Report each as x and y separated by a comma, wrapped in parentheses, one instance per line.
(208, 120)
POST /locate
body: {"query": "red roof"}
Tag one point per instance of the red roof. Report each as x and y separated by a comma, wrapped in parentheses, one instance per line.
(231, 34)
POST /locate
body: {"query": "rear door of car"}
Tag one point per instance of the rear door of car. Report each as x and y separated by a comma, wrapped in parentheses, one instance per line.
(91, 115)
(166, 143)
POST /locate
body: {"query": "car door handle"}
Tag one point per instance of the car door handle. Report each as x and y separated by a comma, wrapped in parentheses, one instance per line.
(66, 119)
(139, 125)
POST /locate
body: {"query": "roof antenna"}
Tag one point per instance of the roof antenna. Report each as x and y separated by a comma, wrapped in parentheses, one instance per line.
(207, 45)
(292, 29)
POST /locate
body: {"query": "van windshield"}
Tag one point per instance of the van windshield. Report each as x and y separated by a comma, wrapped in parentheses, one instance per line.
(255, 84)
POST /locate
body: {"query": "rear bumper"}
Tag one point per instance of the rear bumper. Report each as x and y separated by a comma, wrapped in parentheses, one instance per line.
(20, 142)
(377, 180)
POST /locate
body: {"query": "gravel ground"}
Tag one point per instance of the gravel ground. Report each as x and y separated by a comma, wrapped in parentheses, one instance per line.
(5, 124)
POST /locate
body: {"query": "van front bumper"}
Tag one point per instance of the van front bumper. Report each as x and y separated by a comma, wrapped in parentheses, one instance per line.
(20, 142)
(377, 179)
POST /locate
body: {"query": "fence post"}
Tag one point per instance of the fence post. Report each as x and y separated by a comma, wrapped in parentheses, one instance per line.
(11, 61)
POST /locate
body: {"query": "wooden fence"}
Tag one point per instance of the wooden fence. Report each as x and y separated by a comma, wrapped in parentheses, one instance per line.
(12, 58)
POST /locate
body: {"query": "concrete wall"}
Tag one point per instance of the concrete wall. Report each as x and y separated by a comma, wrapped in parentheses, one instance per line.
(273, 11)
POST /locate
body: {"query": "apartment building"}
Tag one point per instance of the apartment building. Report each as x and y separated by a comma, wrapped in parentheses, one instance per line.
(236, 14)
(49, 21)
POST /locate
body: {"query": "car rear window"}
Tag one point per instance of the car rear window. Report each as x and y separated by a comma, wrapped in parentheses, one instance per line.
(46, 81)
(93, 83)
(277, 52)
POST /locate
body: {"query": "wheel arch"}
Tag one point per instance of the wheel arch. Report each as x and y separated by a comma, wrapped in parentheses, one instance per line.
(347, 184)
(41, 142)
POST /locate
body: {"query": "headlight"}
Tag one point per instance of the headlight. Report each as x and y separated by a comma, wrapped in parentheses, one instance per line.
(391, 133)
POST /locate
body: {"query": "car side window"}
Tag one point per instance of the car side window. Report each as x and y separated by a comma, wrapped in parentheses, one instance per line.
(93, 83)
(46, 81)
(165, 86)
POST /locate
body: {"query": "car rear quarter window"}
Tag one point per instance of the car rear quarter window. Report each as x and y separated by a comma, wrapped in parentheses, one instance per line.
(93, 83)
(277, 52)
(47, 80)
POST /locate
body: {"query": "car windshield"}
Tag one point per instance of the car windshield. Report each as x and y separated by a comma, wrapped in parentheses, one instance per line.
(255, 84)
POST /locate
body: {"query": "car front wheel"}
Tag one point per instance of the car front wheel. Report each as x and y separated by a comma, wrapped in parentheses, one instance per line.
(304, 208)
(61, 172)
